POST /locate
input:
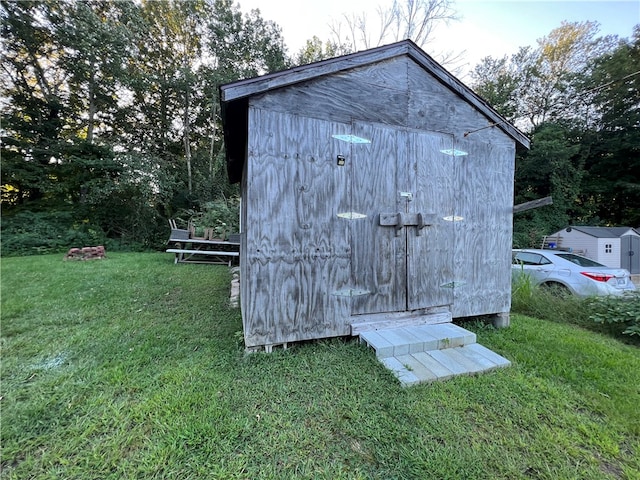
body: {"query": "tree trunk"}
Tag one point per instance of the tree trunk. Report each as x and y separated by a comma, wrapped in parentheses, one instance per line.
(214, 110)
(92, 104)
(187, 143)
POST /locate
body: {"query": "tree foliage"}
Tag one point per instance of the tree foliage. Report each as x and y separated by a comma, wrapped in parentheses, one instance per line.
(111, 110)
(553, 167)
(315, 50)
(612, 186)
(538, 85)
(111, 124)
(585, 113)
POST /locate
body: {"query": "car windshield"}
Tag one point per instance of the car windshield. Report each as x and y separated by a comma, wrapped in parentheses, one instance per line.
(578, 260)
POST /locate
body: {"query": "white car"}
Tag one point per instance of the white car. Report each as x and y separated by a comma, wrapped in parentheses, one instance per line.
(569, 272)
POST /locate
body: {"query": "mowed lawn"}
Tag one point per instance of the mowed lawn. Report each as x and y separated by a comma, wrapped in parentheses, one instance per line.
(133, 367)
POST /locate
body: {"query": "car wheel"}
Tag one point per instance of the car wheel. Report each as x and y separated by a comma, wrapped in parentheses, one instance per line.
(557, 289)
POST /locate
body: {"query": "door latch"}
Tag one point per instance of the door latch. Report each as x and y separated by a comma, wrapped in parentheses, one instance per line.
(420, 224)
(407, 195)
(399, 224)
(401, 220)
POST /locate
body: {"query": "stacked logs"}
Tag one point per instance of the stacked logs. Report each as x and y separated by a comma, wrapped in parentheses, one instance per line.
(85, 253)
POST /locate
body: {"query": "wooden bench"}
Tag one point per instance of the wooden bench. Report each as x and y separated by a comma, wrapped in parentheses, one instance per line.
(193, 256)
(191, 249)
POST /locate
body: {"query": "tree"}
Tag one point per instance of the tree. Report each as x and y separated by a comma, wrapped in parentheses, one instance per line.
(33, 86)
(62, 73)
(95, 39)
(542, 84)
(498, 84)
(553, 167)
(315, 50)
(62, 63)
(258, 46)
(110, 109)
(184, 55)
(403, 19)
(613, 184)
(589, 158)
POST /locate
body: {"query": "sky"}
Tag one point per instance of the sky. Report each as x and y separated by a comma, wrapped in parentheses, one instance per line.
(486, 28)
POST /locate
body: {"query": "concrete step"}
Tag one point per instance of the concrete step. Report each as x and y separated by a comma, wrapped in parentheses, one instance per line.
(428, 353)
(419, 338)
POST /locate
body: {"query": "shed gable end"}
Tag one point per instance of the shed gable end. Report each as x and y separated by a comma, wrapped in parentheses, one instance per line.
(396, 84)
(396, 92)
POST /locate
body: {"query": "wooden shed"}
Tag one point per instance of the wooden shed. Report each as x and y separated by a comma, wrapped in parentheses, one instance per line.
(376, 188)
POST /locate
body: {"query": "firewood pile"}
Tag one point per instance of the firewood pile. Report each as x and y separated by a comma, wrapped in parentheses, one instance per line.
(86, 253)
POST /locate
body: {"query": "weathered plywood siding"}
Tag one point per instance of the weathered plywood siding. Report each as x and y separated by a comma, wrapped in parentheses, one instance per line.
(395, 92)
(296, 248)
(430, 176)
(307, 271)
(378, 265)
(484, 202)
(375, 93)
(434, 107)
(405, 50)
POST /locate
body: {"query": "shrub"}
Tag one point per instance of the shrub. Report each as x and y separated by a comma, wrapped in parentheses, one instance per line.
(530, 299)
(522, 287)
(623, 310)
(222, 215)
(28, 233)
(607, 315)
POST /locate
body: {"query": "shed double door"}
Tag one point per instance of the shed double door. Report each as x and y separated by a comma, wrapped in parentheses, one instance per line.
(630, 253)
(402, 250)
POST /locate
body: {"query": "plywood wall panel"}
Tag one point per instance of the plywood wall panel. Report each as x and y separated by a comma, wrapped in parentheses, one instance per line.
(294, 299)
(482, 258)
(433, 106)
(378, 265)
(297, 247)
(375, 93)
(430, 254)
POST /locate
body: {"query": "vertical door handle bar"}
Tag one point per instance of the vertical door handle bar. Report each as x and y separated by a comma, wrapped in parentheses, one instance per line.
(399, 224)
(420, 224)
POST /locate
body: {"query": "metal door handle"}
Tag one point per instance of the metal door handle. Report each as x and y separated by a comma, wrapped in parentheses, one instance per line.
(399, 225)
(420, 224)
(401, 220)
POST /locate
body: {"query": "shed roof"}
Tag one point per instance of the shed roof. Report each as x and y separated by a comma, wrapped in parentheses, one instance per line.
(605, 232)
(234, 96)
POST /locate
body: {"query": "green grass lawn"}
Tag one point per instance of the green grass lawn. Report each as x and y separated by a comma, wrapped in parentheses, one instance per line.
(133, 367)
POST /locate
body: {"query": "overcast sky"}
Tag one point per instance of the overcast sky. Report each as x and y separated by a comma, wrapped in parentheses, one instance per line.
(495, 28)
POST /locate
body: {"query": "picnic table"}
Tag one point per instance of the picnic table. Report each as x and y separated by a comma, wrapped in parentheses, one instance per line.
(190, 249)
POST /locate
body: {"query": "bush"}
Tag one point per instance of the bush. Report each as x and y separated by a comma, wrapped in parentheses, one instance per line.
(623, 310)
(607, 315)
(222, 215)
(530, 299)
(29, 233)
